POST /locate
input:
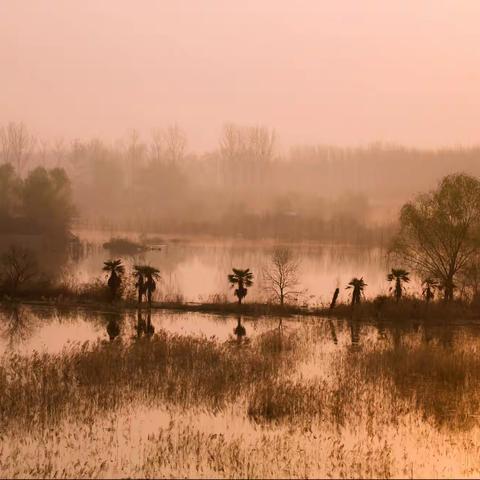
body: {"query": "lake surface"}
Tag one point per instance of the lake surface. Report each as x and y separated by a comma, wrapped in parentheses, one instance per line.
(338, 398)
(197, 269)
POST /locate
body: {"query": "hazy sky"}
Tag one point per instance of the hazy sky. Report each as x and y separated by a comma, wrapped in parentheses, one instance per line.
(337, 71)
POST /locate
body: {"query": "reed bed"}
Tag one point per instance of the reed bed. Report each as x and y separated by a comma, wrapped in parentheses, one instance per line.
(181, 406)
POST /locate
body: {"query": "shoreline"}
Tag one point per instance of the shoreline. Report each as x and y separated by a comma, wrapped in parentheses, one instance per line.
(410, 309)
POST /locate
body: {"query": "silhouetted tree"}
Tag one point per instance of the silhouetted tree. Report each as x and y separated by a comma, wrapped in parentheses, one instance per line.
(140, 283)
(357, 285)
(151, 274)
(429, 286)
(440, 230)
(281, 275)
(242, 278)
(146, 281)
(19, 265)
(400, 276)
(115, 269)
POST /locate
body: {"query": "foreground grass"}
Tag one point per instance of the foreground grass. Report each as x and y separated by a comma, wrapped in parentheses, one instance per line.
(182, 406)
(166, 368)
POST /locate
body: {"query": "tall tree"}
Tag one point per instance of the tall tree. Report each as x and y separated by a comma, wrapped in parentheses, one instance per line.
(146, 281)
(440, 230)
(281, 274)
(429, 286)
(47, 200)
(16, 144)
(115, 270)
(242, 278)
(400, 276)
(357, 285)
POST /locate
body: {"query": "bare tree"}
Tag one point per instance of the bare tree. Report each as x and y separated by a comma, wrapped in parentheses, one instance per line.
(134, 154)
(246, 152)
(19, 265)
(281, 275)
(156, 146)
(16, 145)
(175, 144)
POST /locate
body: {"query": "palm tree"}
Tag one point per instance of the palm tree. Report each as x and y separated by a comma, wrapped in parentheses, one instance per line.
(151, 274)
(400, 276)
(116, 271)
(429, 286)
(140, 283)
(242, 278)
(146, 284)
(358, 285)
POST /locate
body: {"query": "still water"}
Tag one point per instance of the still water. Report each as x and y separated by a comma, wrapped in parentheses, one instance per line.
(337, 398)
(197, 269)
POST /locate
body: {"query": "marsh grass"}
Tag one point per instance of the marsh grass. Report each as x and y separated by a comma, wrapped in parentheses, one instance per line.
(240, 409)
(172, 368)
(442, 383)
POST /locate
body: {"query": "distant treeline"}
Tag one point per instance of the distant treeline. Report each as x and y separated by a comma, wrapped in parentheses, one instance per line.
(246, 186)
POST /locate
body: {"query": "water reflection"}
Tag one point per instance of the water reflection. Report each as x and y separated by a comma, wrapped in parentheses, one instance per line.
(390, 400)
(18, 325)
(113, 326)
(333, 331)
(196, 269)
(239, 330)
(144, 327)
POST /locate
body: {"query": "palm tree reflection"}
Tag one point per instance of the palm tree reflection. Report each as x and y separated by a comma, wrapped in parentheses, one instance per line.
(239, 330)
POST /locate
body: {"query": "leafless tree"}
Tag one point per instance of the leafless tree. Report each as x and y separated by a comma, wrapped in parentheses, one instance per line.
(19, 265)
(134, 154)
(247, 152)
(16, 144)
(281, 275)
(175, 144)
(156, 146)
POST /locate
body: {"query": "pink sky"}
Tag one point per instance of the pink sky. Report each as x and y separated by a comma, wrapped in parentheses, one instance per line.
(342, 72)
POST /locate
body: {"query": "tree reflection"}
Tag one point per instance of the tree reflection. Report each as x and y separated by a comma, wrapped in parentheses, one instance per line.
(113, 326)
(239, 330)
(18, 324)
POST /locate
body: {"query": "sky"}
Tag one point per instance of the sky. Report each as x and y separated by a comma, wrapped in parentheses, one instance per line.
(344, 72)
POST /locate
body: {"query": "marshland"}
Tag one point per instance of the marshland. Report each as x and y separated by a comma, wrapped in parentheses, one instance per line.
(239, 239)
(133, 353)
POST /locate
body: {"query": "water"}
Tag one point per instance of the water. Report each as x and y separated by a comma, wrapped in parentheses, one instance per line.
(364, 399)
(197, 269)
(28, 329)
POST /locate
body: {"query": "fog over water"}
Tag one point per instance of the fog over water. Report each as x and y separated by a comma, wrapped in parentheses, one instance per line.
(239, 239)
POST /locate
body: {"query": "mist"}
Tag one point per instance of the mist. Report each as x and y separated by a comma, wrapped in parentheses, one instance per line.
(338, 73)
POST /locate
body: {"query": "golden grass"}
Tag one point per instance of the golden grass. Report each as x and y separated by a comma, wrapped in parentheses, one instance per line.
(176, 406)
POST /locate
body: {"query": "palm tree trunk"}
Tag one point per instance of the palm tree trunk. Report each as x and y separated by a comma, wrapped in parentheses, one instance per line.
(398, 290)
